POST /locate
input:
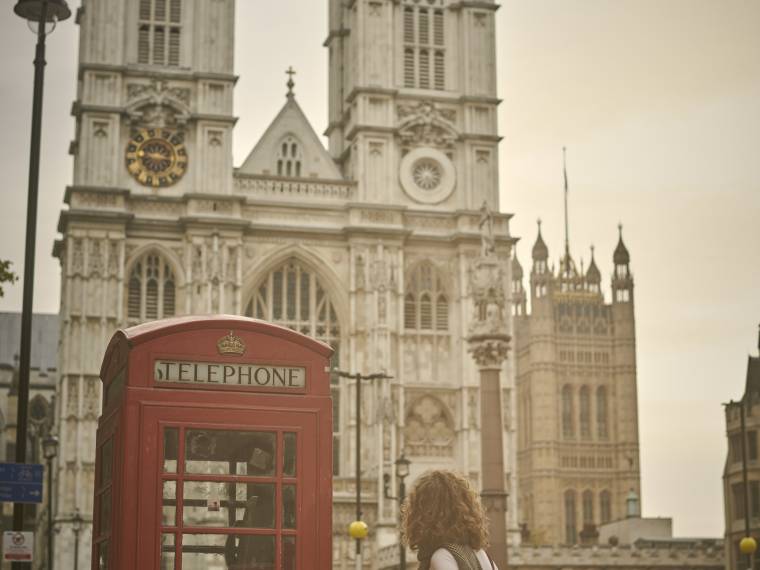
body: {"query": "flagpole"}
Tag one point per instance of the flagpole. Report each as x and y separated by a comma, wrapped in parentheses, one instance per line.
(567, 228)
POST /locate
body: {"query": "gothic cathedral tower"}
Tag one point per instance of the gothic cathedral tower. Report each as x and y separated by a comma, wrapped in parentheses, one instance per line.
(578, 445)
(413, 101)
(153, 128)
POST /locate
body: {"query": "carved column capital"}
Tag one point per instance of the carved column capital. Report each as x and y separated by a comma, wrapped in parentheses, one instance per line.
(489, 351)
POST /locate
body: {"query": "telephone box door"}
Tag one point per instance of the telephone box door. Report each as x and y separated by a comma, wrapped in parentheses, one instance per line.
(223, 494)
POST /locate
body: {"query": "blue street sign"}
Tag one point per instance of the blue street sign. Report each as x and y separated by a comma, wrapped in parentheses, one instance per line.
(20, 483)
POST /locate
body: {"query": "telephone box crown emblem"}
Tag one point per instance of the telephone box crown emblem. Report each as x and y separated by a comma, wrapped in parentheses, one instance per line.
(231, 344)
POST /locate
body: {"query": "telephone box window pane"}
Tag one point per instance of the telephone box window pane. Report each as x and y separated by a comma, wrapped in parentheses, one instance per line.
(167, 552)
(209, 504)
(171, 439)
(249, 552)
(289, 463)
(289, 506)
(106, 463)
(289, 553)
(259, 509)
(169, 504)
(217, 452)
(167, 560)
(103, 556)
(105, 512)
(206, 550)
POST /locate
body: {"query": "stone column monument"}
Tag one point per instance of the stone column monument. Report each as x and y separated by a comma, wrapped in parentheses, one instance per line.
(489, 343)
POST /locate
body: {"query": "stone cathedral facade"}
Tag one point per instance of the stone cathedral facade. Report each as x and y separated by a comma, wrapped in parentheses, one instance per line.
(367, 244)
(578, 436)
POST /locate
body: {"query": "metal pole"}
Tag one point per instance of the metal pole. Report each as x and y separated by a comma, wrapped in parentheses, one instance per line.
(402, 546)
(50, 514)
(31, 234)
(76, 547)
(744, 477)
(358, 465)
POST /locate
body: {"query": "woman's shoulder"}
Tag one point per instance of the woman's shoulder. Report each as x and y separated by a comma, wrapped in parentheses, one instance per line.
(442, 559)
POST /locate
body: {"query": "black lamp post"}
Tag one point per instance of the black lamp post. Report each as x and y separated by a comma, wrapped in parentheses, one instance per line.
(402, 472)
(359, 379)
(39, 12)
(76, 526)
(50, 449)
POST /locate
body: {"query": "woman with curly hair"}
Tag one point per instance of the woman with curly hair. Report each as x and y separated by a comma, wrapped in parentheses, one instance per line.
(442, 520)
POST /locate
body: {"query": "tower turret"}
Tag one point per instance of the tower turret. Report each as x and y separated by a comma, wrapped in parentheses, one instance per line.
(519, 298)
(622, 280)
(540, 276)
(593, 275)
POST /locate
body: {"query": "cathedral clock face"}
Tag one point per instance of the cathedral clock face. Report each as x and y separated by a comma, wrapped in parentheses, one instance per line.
(156, 157)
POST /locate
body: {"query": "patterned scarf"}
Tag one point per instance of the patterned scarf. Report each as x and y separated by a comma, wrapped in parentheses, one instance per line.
(464, 555)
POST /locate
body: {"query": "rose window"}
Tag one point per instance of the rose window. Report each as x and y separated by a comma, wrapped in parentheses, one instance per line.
(427, 174)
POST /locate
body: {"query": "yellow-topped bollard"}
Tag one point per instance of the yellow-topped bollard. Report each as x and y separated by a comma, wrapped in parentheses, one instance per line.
(748, 545)
(358, 530)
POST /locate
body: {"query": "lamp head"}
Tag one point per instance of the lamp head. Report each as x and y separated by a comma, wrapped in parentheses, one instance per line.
(57, 10)
(402, 467)
(76, 521)
(50, 447)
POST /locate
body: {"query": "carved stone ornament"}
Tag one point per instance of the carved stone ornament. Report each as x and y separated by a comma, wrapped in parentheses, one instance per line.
(489, 351)
(158, 105)
(427, 175)
(429, 430)
(426, 124)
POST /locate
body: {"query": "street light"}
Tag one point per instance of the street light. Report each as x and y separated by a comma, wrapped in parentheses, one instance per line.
(37, 12)
(355, 531)
(402, 472)
(50, 450)
(76, 526)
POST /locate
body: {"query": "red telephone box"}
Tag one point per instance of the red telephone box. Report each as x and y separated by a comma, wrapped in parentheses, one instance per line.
(214, 449)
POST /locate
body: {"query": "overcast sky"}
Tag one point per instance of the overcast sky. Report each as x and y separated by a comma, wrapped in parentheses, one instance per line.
(658, 103)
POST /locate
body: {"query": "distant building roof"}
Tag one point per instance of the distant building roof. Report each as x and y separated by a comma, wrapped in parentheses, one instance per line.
(44, 340)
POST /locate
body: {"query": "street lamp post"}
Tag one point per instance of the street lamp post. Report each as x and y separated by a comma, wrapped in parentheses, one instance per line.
(359, 378)
(402, 472)
(50, 449)
(40, 12)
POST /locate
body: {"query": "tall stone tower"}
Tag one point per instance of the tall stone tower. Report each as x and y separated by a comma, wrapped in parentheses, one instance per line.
(578, 444)
(368, 246)
(413, 101)
(153, 129)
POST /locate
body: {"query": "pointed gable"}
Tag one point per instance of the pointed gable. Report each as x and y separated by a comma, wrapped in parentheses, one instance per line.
(290, 147)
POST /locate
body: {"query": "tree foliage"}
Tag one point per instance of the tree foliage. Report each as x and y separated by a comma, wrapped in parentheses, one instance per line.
(6, 275)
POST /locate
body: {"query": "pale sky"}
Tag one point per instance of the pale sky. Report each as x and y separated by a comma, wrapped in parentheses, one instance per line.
(658, 103)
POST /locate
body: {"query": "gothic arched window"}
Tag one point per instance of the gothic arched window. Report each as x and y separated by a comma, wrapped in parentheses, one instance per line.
(585, 412)
(568, 423)
(602, 428)
(289, 158)
(426, 305)
(571, 530)
(159, 32)
(588, 508)
(151, 290)
(605, 507)
(292, 295)
(423, 31)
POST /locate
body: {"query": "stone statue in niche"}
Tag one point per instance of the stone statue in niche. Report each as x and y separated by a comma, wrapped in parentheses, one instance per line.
(360, 278)
(487, 240)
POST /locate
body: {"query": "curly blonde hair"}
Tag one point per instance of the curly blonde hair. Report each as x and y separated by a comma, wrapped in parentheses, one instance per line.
(443, 508)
